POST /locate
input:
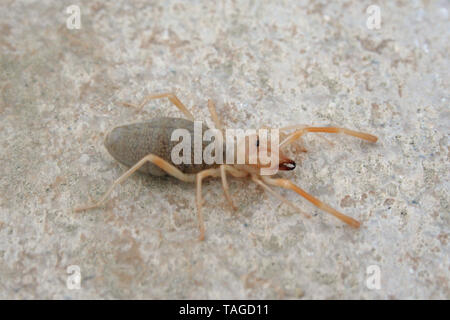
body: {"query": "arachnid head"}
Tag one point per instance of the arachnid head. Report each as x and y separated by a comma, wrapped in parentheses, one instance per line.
(262, 153)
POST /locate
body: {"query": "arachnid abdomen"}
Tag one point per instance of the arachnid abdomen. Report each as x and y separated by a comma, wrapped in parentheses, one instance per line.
(130, 143)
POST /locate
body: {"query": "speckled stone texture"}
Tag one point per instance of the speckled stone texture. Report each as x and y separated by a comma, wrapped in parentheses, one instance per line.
(264, 63)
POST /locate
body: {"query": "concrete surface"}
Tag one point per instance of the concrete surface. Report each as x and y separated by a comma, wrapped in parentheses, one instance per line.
(305, 62)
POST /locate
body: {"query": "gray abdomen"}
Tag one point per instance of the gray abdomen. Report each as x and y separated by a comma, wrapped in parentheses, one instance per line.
(130, 143)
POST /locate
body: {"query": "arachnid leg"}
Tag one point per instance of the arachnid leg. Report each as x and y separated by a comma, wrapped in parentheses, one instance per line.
(299, 127)
(213, 173)
(283, 135)
(297, 134)
(223, 175)
(284, 183)
(292, 127)
(172, 98)
(200, 176)
(215, 118)
(280, 197)
(235, 173)
(164, 165)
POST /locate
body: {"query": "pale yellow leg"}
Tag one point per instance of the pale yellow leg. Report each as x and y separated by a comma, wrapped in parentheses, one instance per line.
(235, 172)
(164, 165)
(278, 196)
(223, 175)
(299, 127)
(200, 176)
(296, 135)
(214, 173)
(215, 118)
(283, 135)
(172, 98)
(284, 183)
(295, 126)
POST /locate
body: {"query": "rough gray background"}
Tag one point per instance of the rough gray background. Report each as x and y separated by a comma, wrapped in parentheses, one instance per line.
(305, 62)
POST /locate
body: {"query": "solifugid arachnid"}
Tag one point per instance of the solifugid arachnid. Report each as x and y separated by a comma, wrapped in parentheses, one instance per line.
(150, 147)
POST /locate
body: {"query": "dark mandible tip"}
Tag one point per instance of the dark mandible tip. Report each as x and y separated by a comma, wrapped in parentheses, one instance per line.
(287, 165)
